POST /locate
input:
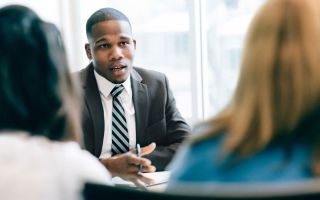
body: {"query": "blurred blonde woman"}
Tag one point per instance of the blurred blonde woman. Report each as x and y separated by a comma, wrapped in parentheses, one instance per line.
(40, 157)
(270, 130)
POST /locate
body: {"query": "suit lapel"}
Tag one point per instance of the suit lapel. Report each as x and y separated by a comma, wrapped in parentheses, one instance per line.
(92, 98)
(140, 101)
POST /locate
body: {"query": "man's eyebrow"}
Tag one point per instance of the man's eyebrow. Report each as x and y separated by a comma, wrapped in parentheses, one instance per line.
(125, 38)
(101, 40)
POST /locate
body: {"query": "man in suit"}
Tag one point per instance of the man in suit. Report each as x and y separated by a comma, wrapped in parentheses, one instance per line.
(151, 117)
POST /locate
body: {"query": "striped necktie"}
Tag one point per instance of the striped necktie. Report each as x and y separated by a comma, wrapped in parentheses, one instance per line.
(120, 140)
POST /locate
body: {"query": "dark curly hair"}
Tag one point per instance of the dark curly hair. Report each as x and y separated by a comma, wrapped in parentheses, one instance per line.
(37, 93)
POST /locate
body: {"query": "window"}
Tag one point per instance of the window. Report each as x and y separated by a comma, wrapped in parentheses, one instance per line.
(226, 24)
(48, 10)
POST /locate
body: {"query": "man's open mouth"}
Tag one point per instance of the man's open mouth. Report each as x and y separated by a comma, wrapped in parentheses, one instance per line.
(118, 68)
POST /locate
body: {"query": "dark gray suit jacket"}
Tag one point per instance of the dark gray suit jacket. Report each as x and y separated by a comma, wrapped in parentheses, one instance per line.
(157, 118)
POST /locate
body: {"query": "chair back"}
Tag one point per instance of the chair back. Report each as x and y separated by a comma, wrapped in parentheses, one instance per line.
(94, 191)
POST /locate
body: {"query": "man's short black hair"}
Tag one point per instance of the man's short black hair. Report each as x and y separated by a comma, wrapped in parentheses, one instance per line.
(104, 14)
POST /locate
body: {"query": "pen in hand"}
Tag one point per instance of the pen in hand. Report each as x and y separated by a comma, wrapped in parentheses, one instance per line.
(138, 152)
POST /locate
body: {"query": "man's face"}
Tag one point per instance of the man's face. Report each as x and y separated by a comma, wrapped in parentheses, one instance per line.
(112, 49)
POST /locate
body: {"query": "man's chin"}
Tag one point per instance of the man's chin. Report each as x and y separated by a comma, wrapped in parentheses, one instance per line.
(118, 81)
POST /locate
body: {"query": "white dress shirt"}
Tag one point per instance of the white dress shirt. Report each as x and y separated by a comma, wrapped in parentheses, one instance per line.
(105, 87)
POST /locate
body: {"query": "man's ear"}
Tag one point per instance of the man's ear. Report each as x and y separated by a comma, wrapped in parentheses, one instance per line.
(88, 50)
(134, 44)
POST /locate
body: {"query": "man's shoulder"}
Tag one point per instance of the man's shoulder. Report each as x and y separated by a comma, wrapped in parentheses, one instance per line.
(148, 75)
(82, 74)
(84, 70)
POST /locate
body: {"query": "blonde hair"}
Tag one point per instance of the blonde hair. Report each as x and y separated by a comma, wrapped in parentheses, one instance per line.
(279, 83)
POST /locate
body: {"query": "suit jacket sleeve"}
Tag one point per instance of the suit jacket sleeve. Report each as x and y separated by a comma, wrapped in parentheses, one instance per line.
(176, 130)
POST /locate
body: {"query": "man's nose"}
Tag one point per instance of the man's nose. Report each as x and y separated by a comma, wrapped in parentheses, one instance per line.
(116, 53)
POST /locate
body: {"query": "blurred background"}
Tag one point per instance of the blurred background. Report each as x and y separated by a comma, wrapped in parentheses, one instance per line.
(196, 43)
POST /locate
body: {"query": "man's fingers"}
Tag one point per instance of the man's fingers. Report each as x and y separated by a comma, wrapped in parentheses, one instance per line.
(145, 150)
(134, 160)
(149, 168)
(140, 177)
(148, 149)
(133, 169)
(140, 184)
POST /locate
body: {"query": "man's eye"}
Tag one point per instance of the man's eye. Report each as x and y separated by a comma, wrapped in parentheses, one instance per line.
(123, 43)
(104, 46)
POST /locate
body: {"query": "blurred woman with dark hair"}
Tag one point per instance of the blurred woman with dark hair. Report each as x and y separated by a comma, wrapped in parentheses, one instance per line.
(39, 114)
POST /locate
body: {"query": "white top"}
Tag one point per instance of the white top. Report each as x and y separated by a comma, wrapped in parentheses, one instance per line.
(105, 87)
(39, 169)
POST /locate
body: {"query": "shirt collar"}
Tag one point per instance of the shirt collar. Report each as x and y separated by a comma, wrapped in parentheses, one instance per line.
(105, 86)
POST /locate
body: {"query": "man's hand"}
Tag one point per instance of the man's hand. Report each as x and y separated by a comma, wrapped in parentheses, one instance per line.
(126, 165)
(147, 149)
